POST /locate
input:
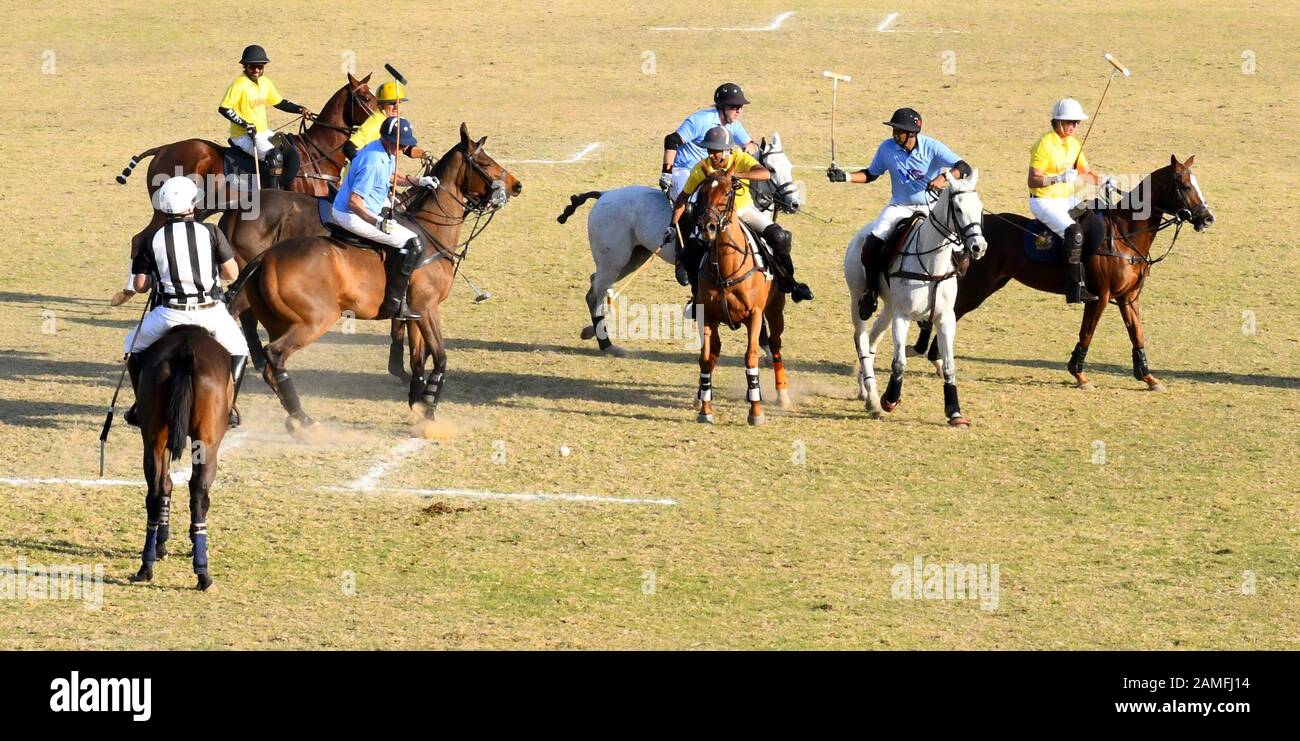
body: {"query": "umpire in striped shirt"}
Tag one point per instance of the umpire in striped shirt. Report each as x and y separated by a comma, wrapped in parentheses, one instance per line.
(185, 260)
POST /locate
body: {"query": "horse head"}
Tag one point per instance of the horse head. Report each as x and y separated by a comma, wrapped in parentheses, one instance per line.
(715, 202)
(771, 155)
(481, 182)
(360, 103)
(1188, 200)
(963, 210)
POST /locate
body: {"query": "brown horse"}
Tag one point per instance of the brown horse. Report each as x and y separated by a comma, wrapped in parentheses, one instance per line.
(319, 148)
(734, 289)
(185, 390)
(283, 215)
(300, 287)
(1117, 268)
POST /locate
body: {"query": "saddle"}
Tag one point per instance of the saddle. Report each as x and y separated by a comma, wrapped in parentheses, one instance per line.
(1042, 245)
(762, 255)
(347, 238)
(237, 162)
(898, 237)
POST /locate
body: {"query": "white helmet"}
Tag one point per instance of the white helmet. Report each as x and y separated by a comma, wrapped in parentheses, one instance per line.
(177, 195)
(1068, 109)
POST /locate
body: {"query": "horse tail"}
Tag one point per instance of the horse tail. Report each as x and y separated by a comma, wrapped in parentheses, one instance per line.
(575, 201)
(181, 398)
(130, 166)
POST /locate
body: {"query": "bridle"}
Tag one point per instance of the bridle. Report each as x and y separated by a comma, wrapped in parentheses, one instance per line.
(781, 194)
(354, 99)
(721, 222)
(483, 206)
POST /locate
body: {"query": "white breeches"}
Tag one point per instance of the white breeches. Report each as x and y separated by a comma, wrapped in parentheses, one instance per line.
(1054, 212)
(263, 142)
(883, 226)
(353, 223)
(215, 319)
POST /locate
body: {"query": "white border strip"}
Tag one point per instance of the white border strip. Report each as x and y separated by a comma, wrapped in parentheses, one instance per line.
(513, 496)
(577, 157)
(884, 25)
(773, 26)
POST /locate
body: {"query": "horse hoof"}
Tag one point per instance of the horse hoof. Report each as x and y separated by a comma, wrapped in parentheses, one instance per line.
(1153, 384)
(875, 413)
(756, 421)
(204, 582)
(162, 551)
(1085, 386)
(889, 406)
(120, 298)
(960, 422)
(588, 332)
(704, 419)
(143, 575)
(783, 399)
(616, 351)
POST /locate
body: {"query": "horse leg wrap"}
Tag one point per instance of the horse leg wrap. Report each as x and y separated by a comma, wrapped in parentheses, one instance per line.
(199, 536)
(951, 406)
(1140, 368)
(894, 391)
(751, 378)
(706, 387)
(288, 394)
(150, 552)
(396, 359)
(1077, 357)
(778, 369)
(164, 526)
(433, 388)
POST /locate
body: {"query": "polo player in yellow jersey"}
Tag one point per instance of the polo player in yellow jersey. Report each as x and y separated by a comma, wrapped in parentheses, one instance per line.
(720, 145)
(390, 99)
(1056, 164)
(244, 105)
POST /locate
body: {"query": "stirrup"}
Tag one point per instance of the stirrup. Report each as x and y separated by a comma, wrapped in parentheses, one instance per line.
(233, 420)
(404, 312)
(131, 417)
(866, 306)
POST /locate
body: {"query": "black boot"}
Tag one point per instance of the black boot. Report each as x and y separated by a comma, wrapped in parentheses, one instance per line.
(399, 266)
(131, 417)
(237, 363)
(693, 253)
(778, 242)
(871, 250)
(1076, 290)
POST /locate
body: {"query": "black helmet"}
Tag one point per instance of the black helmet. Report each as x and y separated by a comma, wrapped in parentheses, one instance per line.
(254, 55)
(718, 139)
(905, 119)
(729, 94)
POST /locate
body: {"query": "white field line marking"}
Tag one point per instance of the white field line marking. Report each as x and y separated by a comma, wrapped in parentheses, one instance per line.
(514, 496)
(577, 157)
(884, 27)
(399, 453)
(773, 26)
(885, 23)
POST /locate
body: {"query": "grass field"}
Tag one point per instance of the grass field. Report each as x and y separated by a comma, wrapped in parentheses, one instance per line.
(784, 536)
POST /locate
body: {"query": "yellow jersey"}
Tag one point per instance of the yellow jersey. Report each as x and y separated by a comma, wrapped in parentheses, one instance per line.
(249, 99)
(744, 163)
(1052, 155)
(367, 132)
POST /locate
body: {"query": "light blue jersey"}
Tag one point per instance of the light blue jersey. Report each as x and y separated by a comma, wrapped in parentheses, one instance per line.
(911, 171)
(692, 132)
(369, 175)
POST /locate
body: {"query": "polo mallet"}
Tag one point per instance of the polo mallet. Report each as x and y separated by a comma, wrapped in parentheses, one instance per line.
(612, 295)
(479, 296)
(396, 75)
(1119, 68)
(108, 418)
(835, 78)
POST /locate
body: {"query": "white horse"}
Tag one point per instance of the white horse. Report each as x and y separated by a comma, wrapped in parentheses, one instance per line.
(627, 224)
(919, 284)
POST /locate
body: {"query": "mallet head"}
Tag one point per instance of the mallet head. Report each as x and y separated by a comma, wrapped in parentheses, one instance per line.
(1116, 64)
(836, 76)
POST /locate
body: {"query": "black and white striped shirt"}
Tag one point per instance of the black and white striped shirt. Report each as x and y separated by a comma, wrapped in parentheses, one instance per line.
(184, 257)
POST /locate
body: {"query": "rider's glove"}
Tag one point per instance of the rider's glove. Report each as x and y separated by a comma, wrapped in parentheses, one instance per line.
(665, 181)
(385, 226)
(836, 175)
(428, 181)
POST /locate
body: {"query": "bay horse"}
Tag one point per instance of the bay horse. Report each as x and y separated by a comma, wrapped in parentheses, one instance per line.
(626, 225)
(184, 391)
(1116, 271)
(319, 147)
(301, 286)
(920, 283)
(734, 288)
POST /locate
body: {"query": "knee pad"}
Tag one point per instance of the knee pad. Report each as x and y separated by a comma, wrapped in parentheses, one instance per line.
(778, 239)
(274, 160)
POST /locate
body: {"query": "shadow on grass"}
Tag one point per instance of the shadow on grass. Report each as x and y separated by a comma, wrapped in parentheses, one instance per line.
(1163, 374)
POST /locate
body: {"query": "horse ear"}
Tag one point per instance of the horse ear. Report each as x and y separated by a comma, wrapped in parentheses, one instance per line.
(1188, 163)
(776, 140)
(762, 143)
(1173, 161)
(479, 144)
(366, 80)
(464, 134)
(352, 81)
